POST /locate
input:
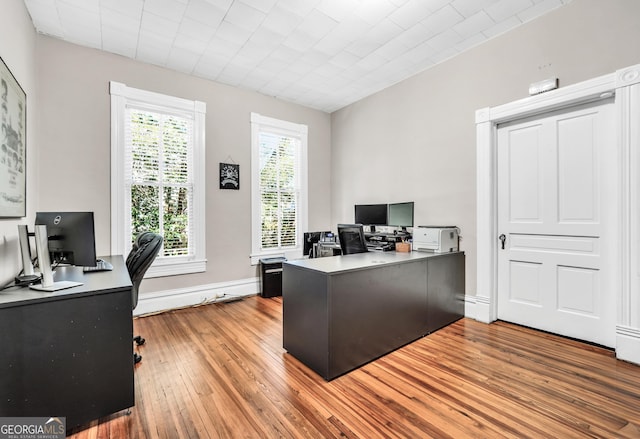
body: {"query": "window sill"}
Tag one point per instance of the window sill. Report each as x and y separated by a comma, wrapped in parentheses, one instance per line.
(288, 254)
(162, 268)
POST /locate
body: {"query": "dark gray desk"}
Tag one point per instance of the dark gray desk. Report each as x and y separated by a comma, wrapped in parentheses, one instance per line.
(342, 312)
(68, 353)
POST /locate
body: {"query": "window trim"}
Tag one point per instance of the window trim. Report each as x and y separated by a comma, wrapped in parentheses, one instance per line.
(300, 131)
(121, 95)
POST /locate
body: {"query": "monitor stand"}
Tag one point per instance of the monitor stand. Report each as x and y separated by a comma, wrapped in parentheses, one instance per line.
(28, 275)
(42, 248)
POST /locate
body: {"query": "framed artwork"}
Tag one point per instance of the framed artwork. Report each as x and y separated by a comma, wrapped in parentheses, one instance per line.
(229, 176)
(13, 167)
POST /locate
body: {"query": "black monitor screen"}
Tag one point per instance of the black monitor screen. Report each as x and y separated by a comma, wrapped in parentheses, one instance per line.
(351, 239)
(401, 214)
(311, 238)
(371, 214)
(71, 237)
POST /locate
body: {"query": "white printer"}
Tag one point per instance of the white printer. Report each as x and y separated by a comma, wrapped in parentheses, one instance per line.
(437, 239)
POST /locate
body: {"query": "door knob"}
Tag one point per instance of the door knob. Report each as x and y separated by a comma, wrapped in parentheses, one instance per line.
(502, 239)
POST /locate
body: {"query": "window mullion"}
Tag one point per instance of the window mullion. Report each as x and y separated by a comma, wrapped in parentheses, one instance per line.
(160, 177)
(279, 196)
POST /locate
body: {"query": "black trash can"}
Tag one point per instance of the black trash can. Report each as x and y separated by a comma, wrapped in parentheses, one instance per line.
(271, 276)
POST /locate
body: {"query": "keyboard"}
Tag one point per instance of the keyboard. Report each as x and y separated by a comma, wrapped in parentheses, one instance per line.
(380, 246)
(100, 266)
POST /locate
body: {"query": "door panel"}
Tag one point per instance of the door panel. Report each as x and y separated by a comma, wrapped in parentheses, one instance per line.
(578, 290)
(525, 179)
(554, 272)
(525, 277)
(577, 179)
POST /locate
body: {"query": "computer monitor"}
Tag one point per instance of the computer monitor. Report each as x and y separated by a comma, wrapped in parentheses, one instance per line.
(401, 215)
(71, 237)
(351, 239)
(371, 215)
(310, 238)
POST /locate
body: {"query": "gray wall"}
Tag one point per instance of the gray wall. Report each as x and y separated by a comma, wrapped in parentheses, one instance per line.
(74, 155)
(416, 140)
(74, 149)
(17, 49)
(413, 141)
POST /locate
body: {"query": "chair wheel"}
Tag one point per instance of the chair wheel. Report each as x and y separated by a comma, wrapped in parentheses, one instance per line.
(139, 340)
(136, 358)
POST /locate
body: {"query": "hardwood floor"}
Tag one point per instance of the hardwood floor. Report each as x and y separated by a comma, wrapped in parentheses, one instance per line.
(219, 371)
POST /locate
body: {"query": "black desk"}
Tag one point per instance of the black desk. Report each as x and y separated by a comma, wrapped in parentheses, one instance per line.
(344, 311)
(68, 353)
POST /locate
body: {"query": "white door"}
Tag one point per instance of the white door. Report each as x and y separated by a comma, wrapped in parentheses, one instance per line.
(557, 216)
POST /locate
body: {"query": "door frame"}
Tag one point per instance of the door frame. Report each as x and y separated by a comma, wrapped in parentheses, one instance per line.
(624, 85)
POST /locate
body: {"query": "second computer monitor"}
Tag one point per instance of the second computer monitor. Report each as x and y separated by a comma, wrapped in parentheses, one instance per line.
(371, 215)
(401, 215)
(71, 237)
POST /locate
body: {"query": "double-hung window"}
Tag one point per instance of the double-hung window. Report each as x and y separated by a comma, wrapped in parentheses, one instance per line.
(157, 184)
(278, 187)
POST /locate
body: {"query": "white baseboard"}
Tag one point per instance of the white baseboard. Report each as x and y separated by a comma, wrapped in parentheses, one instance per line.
(158, 301)
(470, 307)
(628, 344)
(478, 308)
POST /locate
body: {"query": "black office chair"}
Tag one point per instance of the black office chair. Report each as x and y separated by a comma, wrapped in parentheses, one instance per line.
(351, 238)
(144, 251)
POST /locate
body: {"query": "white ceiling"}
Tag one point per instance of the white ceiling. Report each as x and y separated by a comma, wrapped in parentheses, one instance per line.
(323, 54)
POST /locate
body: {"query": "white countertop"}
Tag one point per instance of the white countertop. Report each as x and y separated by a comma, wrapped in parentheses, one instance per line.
(91, 283)
(359, 261)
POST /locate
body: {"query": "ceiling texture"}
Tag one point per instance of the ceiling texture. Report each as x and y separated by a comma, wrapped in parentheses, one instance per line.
(323, 54)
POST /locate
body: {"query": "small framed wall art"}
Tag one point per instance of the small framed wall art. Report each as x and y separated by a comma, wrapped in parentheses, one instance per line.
(13, 147)
(229, 176)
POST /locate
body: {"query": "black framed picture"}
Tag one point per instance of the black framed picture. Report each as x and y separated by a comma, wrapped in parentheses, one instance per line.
(13, 147)
(229, 176)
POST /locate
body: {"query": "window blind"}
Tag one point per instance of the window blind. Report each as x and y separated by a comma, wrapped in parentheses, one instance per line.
(158, 176)
(279, 190)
